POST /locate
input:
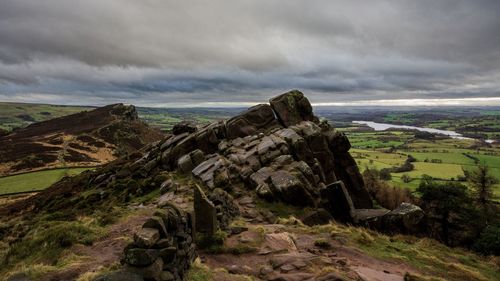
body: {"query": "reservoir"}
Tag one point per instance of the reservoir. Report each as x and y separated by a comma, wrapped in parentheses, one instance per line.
(384, 126)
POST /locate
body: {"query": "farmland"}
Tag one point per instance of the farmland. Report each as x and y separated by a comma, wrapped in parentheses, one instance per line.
(35, 181)
(444, 159)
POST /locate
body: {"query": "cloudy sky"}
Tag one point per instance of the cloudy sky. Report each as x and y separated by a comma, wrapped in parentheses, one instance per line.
(204, 53)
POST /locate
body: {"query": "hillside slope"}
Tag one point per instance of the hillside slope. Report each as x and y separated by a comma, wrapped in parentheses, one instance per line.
(87, 138)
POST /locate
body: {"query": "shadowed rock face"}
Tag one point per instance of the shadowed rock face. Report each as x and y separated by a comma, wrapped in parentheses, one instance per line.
(254, 120)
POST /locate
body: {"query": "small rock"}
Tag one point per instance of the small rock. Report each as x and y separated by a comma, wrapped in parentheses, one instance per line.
(146, 237)
(287, 268)
(140, 257)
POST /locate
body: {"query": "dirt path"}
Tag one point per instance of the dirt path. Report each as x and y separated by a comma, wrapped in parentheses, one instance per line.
(276, 258)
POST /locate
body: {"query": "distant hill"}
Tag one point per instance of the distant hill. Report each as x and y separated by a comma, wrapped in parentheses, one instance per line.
(87, 138)
(16, 115)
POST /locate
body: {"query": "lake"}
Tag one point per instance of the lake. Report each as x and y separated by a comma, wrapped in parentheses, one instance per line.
(384, 126)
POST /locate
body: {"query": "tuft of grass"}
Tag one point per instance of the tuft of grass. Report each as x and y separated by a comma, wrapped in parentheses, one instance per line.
(427, 255)
(322, 243)
(46, 242)
(198, 272)
(280, 209)
(211, 243)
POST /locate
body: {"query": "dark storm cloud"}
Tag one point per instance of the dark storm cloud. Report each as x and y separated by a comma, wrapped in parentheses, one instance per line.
(187, 52)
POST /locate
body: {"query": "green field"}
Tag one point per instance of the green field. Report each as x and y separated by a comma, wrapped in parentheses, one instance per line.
(35, 181)
(442, 159)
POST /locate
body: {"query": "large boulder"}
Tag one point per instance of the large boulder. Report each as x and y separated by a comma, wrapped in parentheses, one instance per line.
(292, 108)
(290, 188)
(407, 218)
(183, 127)
(337, 201)
(256, 119)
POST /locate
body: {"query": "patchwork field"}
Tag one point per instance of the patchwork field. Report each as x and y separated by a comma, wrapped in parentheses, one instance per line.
(442, 159)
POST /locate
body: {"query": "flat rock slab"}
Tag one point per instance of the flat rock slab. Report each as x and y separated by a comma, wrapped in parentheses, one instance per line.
(278, 243)
(369, 274)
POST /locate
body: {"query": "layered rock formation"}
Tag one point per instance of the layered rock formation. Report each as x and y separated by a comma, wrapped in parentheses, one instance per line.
(281, 151)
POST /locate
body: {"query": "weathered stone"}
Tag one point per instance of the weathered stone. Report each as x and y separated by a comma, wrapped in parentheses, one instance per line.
(197, 157)
(168, 254)
(330, 277)
(183, 127)
(140, 257)
(205, 213)
(168, 185)
(347, 171)
(185, 164)
(167, 276)
(339, 143)
(292, 108)
(146, 237)
(252, 121)
(156, 222)
(317, 217)
(224, 203)
(120, 275)
(151, 272)
(337, 201)
(290, 189)
(407, 218)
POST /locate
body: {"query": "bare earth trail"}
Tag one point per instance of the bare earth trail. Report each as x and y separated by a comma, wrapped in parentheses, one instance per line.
(281, 252)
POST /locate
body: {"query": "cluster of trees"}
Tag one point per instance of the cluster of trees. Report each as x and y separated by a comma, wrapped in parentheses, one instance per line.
(462, 216)
(386, 195)
(456, 214)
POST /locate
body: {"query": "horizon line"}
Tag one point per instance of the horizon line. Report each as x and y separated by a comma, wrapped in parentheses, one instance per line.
(434, 102)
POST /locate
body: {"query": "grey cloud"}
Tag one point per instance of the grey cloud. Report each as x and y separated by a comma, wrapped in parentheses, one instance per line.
(147, 52)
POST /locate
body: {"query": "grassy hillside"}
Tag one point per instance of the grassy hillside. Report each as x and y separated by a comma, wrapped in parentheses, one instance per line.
(35, 181)
(14, 115)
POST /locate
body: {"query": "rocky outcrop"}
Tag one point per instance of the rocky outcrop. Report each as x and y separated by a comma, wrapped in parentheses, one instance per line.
(281, 151)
